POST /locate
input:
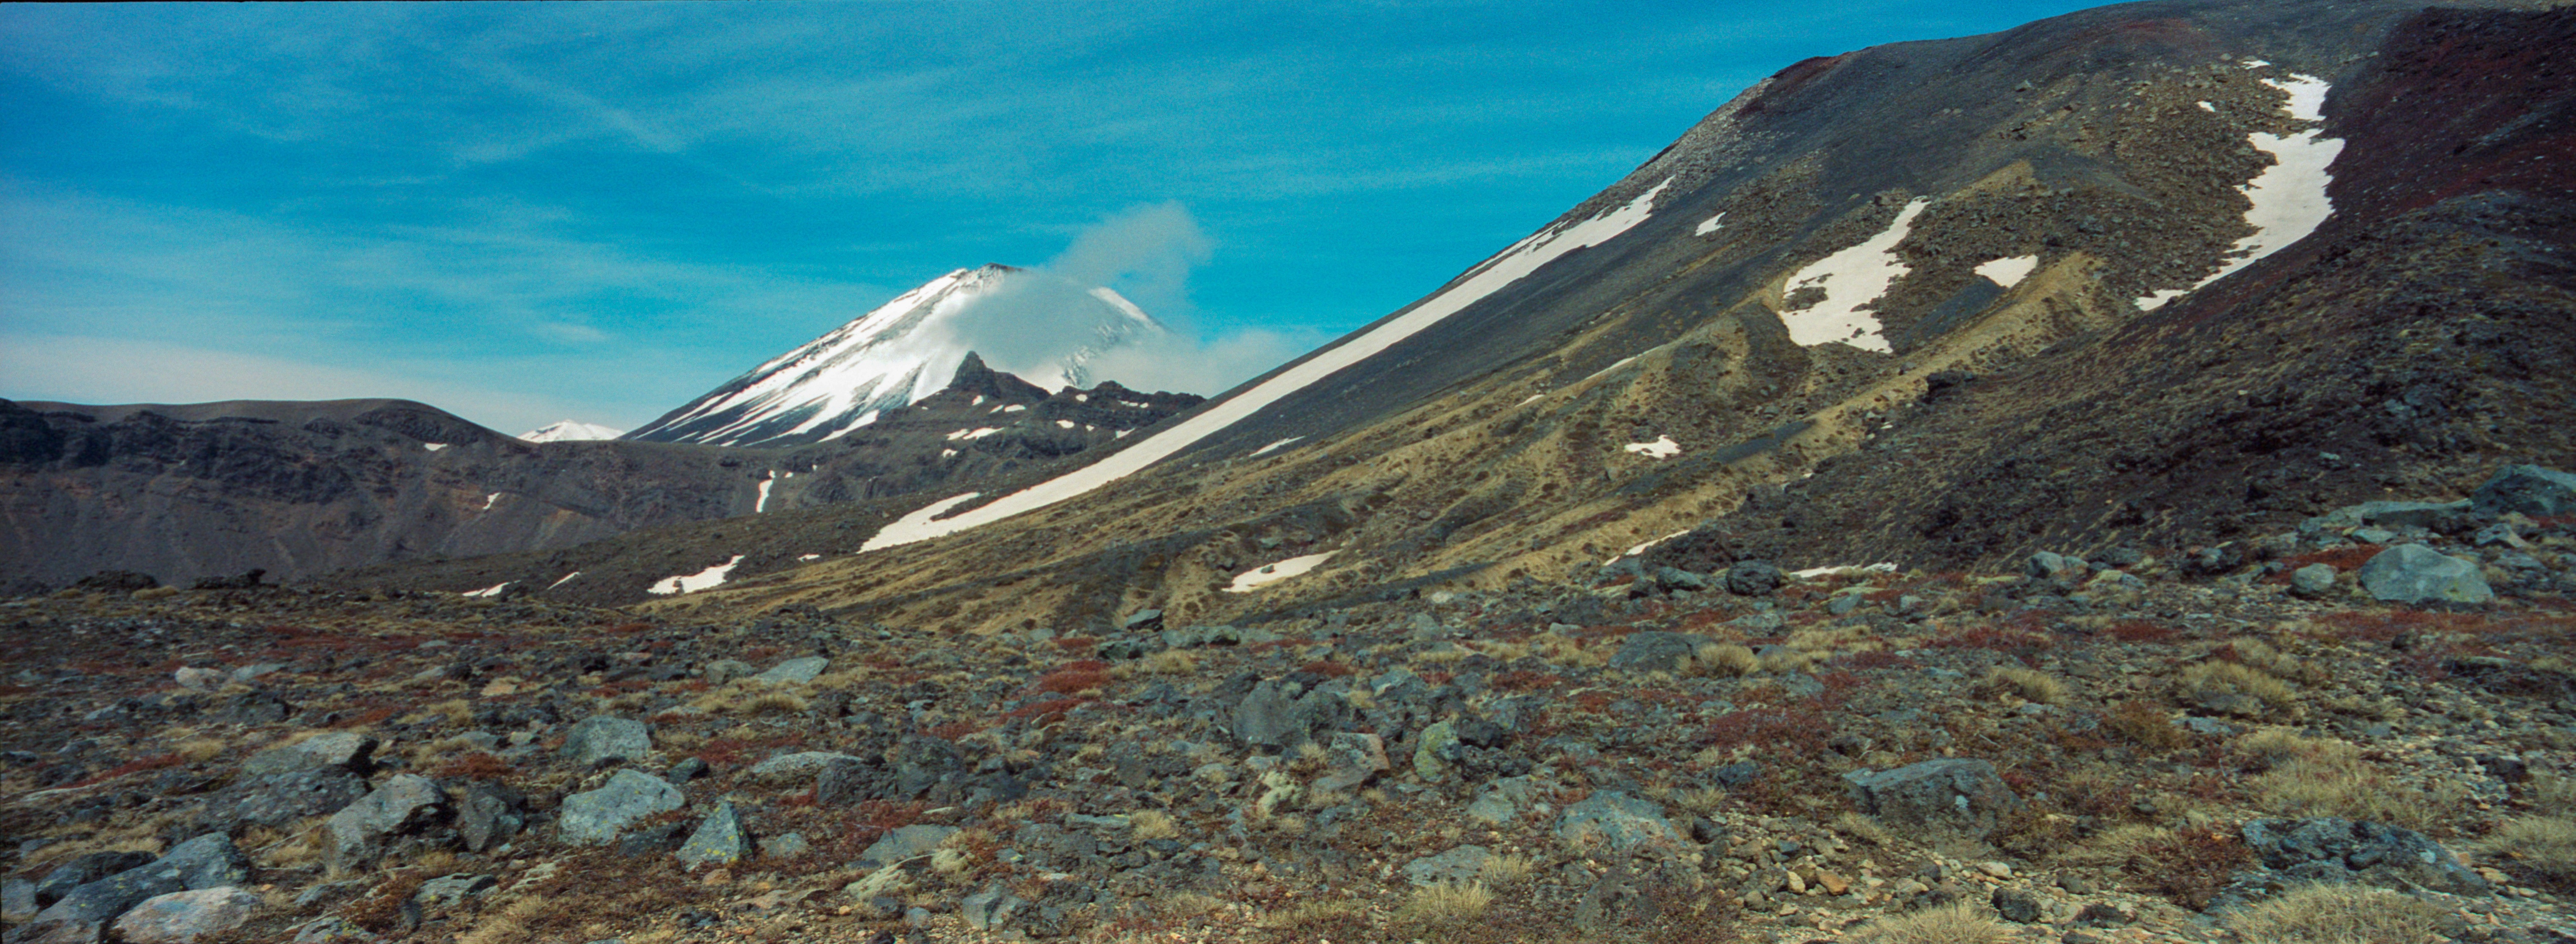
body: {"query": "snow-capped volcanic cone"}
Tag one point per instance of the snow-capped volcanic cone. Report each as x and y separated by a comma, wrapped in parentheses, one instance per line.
(1041, 327)
(567, 430)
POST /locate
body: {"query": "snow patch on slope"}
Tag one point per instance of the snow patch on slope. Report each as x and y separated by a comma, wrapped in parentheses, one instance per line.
(1710, 225)
(692, 583)
(569, 431)
(2290, 196)
(1662, 448)
(2008, 272)
(1506, 267)
(1266, 574)
(1851, 280)
(1266, 450)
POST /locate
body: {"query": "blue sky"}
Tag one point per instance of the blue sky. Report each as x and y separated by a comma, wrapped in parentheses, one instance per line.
(529, 212)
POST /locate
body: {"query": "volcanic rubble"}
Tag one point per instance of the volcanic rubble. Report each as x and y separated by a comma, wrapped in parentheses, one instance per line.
(2371, 718)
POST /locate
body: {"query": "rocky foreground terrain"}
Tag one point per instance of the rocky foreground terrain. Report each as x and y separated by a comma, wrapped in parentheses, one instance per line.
(2360, 730)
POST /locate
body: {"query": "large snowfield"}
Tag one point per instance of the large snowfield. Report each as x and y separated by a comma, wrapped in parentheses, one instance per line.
(1506, 267)
(2290, 196)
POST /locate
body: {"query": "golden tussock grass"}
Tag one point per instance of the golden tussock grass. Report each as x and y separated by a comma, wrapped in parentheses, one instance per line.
(1564, 650)
(2352, 788)
(2030, 684)
(1444, 903)
(1170, 661)
(2542, 844)
(1153, 824)
(1725, 660)
(1506, 870)
(2338, 914)
(2205, 681)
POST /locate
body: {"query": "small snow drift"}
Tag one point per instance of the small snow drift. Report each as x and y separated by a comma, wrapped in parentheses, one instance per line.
(1849, 281)
(691, 583)
(1662, 448)
(1257, 577)
(570, 430)
(1040, 326)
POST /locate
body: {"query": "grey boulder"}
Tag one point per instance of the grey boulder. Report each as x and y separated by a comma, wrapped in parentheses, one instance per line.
(719, 840)
(596, 817)
(208, 861)
(600, 739)
(1656, 651)
(794, 671)
(2529, 489)
(905, 843)
(355, 836)
(1617, 820)
(338, 750)
(2413, 573)
(186, 917)
(1952, 796)
(2327, 849)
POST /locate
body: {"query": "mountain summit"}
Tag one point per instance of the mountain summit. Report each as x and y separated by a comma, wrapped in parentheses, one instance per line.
(1036, 325)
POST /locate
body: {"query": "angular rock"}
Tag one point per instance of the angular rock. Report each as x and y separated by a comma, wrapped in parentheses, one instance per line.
(1656, 651)
(340, 750)
(851, 780)
(355, 836)
(797, 766)
(719, 840)
(2313, 580)
(990, 909)
(721, 671)
(186, 917)
(1615, 819)
(489, 815)
(596, 817)
(600, 739)
(1675, 578)
(1458, 866)
(1752, 578)
(1956, 795)
(453, 889)
(905, 843)
(2328, 849)
(196, 679)
(1351, 761)
(2529, 489)
(279, 799)
(82, 871)
(1502, 801)
(794, 671)
(2413, 573)
(18, 901)
(1431, 750)
(785, 846)
(208, 861)
(1281, 714)
(2016, 905)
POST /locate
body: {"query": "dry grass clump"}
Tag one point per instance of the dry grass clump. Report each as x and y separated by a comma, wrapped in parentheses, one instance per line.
(2552, 794)
(1187, 904)
(1560, 649)
(2030, 684)
(2334, 782)
(200, 750)
(1505, 870)
(2339, 914)
(1153, 824)
(1951, 924)
(1785, 660)
(1726, 659)
(2272, 747)
(2545, 845)
(776, 703)
(1444, 903)
(1170, 661)
(2260, 655)
(1863, 828)
(2208, 682)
